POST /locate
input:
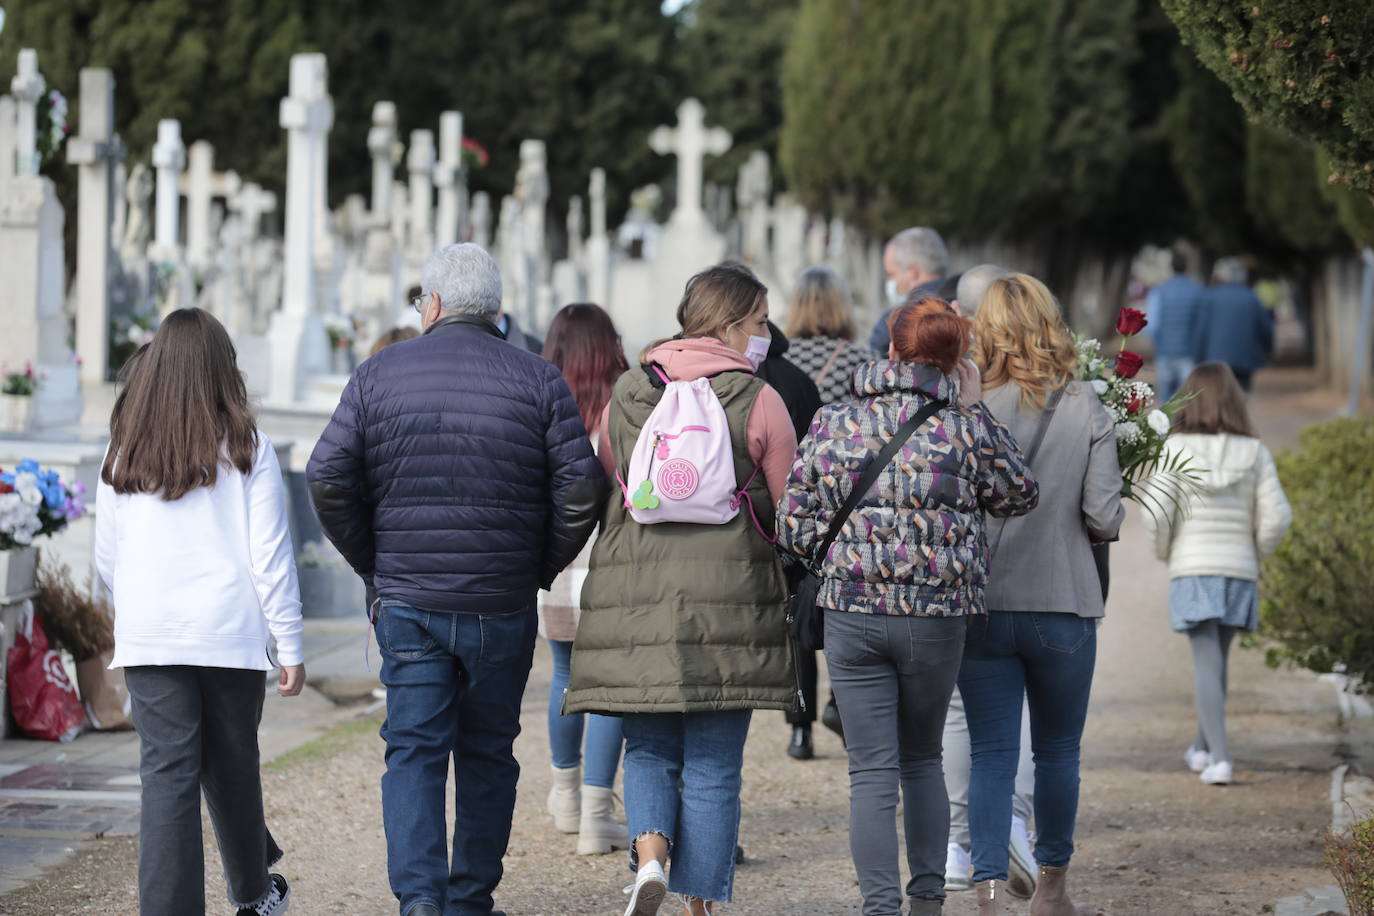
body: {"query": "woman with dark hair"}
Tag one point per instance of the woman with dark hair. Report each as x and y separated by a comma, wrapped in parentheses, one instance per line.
(583, 343)
(1214, 541)
(192, 539)
(683, 623)
(902, 574)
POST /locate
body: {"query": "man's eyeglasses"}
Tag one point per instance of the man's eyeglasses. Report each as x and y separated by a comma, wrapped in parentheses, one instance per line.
(419, 303)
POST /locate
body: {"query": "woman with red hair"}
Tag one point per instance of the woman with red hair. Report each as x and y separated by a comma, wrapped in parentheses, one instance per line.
(582, 342)
(904, 570)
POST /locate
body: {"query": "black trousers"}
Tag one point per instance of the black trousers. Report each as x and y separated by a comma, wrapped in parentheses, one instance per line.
(198, 729)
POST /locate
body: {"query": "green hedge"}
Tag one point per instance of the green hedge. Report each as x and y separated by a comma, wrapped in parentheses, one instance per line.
(1317, 589)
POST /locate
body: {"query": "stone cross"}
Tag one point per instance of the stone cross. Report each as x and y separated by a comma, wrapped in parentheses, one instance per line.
(137, 190)
(8, 115)
(299, 346)
(169, 158)
(481, 220)
(27, 88)
(200, 172)
(598, 253)
(751, 197)
(95, 150)
(251, 203)
(532, 190)
(448, 175)
(420, 168)
(690, 142)
(575, 241)
(381, 140)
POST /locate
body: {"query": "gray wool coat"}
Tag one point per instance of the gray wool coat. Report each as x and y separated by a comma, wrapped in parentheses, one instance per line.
(1043, 561)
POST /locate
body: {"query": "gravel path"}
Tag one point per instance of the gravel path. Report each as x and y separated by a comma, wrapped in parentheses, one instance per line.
(1152, 839)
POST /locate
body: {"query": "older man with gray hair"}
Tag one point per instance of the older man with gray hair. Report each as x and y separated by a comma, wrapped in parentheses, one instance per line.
(973, 283)
(1235, 328)
(456, 478)
(915, 261)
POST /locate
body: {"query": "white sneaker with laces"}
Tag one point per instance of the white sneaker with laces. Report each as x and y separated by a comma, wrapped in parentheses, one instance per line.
(1021, 867)
(1197, 760)
(648, 891)
(276, 902)
(958, 868)
(1217, 774)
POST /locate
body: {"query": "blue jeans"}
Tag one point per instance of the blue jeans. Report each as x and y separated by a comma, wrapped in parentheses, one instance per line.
(893, 676)
(565, 732)
(682, 782)
(1170, 374)
(453, 687)
(1049, 659)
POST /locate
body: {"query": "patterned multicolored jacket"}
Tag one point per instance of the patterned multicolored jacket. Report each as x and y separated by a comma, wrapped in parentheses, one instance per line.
(916, 544)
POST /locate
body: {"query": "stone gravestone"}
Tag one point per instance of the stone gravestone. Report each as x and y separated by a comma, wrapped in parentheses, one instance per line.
(8, 117)
(33, 329)
(200, 171)
(248, 207)
(481, 219)
(789, 241)
(169, 158)
(381, 144)
(450, 223)
(532, 191)
(95, 150)
(420, 169)
(752, 192)
(568, 275)
(510, 255)
(597, 256)
(300, 347)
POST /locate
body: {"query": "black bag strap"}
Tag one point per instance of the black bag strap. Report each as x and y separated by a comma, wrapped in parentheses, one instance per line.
(1046, 415)
(870, 474)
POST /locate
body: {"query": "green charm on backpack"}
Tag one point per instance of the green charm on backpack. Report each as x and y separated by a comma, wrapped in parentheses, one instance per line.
(644, 498)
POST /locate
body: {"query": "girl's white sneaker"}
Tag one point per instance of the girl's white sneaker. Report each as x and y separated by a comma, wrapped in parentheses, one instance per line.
(648, 891)
(1197, 760)
(1217, 774)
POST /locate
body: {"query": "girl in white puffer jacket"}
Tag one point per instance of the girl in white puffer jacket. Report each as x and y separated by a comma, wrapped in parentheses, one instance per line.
(1213, 543)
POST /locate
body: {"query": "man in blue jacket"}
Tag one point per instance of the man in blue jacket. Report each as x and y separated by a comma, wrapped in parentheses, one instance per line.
(1236, 327)
(1175, 309)
(456, 477)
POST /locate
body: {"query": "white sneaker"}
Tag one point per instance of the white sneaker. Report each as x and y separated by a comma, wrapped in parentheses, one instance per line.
(958, 868)
(1217, 774)
(648, 891)
(1197, 760)
(1021, 867)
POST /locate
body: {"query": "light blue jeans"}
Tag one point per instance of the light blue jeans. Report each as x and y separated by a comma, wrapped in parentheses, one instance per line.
(566, 732)
(682, 782)
(1170, 374)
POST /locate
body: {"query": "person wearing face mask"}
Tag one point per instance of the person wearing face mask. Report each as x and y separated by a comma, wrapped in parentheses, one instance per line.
(683, 631)
(915, 261)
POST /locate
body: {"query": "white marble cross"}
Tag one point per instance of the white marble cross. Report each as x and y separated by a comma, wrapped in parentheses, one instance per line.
(199, 174)
(251, 203)
(481, 220)
(95, 150)
(8, 116)
(448, 176)
(27, 88)
(381, 141)
(690, 142)
(598, 251)
(169, 158)
(420, 169)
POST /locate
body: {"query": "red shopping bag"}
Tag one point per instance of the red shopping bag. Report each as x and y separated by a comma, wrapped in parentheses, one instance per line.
(42, 698)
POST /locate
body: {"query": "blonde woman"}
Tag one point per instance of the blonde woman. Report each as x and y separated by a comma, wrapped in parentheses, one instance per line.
(820, 332)
(1044, 600)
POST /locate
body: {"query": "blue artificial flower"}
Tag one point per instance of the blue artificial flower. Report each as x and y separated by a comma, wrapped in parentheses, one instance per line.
(7, 478)
(55, 495)
(27, 466)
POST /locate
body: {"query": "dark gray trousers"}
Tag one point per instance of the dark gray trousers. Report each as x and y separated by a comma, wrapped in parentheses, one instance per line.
(893, 677)
(198, 729)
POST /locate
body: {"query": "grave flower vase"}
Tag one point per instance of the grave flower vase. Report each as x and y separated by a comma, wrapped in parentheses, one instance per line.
(17, 571)
(16, 413)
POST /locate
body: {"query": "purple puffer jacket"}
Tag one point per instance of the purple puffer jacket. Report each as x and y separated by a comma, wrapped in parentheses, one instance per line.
(915, 545)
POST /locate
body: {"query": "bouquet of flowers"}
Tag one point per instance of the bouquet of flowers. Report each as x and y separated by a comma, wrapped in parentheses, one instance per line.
(1141, 425)
(342, 331)
(20, 383)
(35, 502)
(52, 124)
(475, 155)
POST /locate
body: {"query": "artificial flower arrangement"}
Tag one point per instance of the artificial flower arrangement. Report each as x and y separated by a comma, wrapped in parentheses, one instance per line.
(23, 383)
(342, 331)
(53, 128)
(475, 155)
(35, 502)
(1147, 469)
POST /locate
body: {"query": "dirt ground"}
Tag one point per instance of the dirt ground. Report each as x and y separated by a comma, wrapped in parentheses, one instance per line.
(1151, 838)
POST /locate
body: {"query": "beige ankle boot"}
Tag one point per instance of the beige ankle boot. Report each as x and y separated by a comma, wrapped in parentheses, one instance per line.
(565, 799)
(598, 831)
(1052, 896)
(990, 894)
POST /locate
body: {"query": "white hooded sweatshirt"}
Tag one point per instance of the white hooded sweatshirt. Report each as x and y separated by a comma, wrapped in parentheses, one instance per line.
(1239, 517)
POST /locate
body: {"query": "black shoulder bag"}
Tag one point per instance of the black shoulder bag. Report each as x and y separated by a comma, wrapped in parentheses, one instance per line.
(805, 620)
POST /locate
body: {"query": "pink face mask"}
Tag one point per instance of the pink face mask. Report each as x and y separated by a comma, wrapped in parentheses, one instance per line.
(757, 350)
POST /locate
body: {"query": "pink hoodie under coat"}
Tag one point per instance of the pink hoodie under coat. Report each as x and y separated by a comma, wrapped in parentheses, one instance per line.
(772, 440)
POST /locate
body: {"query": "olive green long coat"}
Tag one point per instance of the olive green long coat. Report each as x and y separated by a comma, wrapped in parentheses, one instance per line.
(682, 617)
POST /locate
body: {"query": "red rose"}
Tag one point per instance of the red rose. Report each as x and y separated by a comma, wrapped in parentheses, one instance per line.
(1130, 321)
(1128, 363)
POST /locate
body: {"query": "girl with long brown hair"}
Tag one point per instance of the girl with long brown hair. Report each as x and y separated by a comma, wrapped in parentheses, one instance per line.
(583, 343)
(682, 629)
(1214, 542)
(192, 538)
